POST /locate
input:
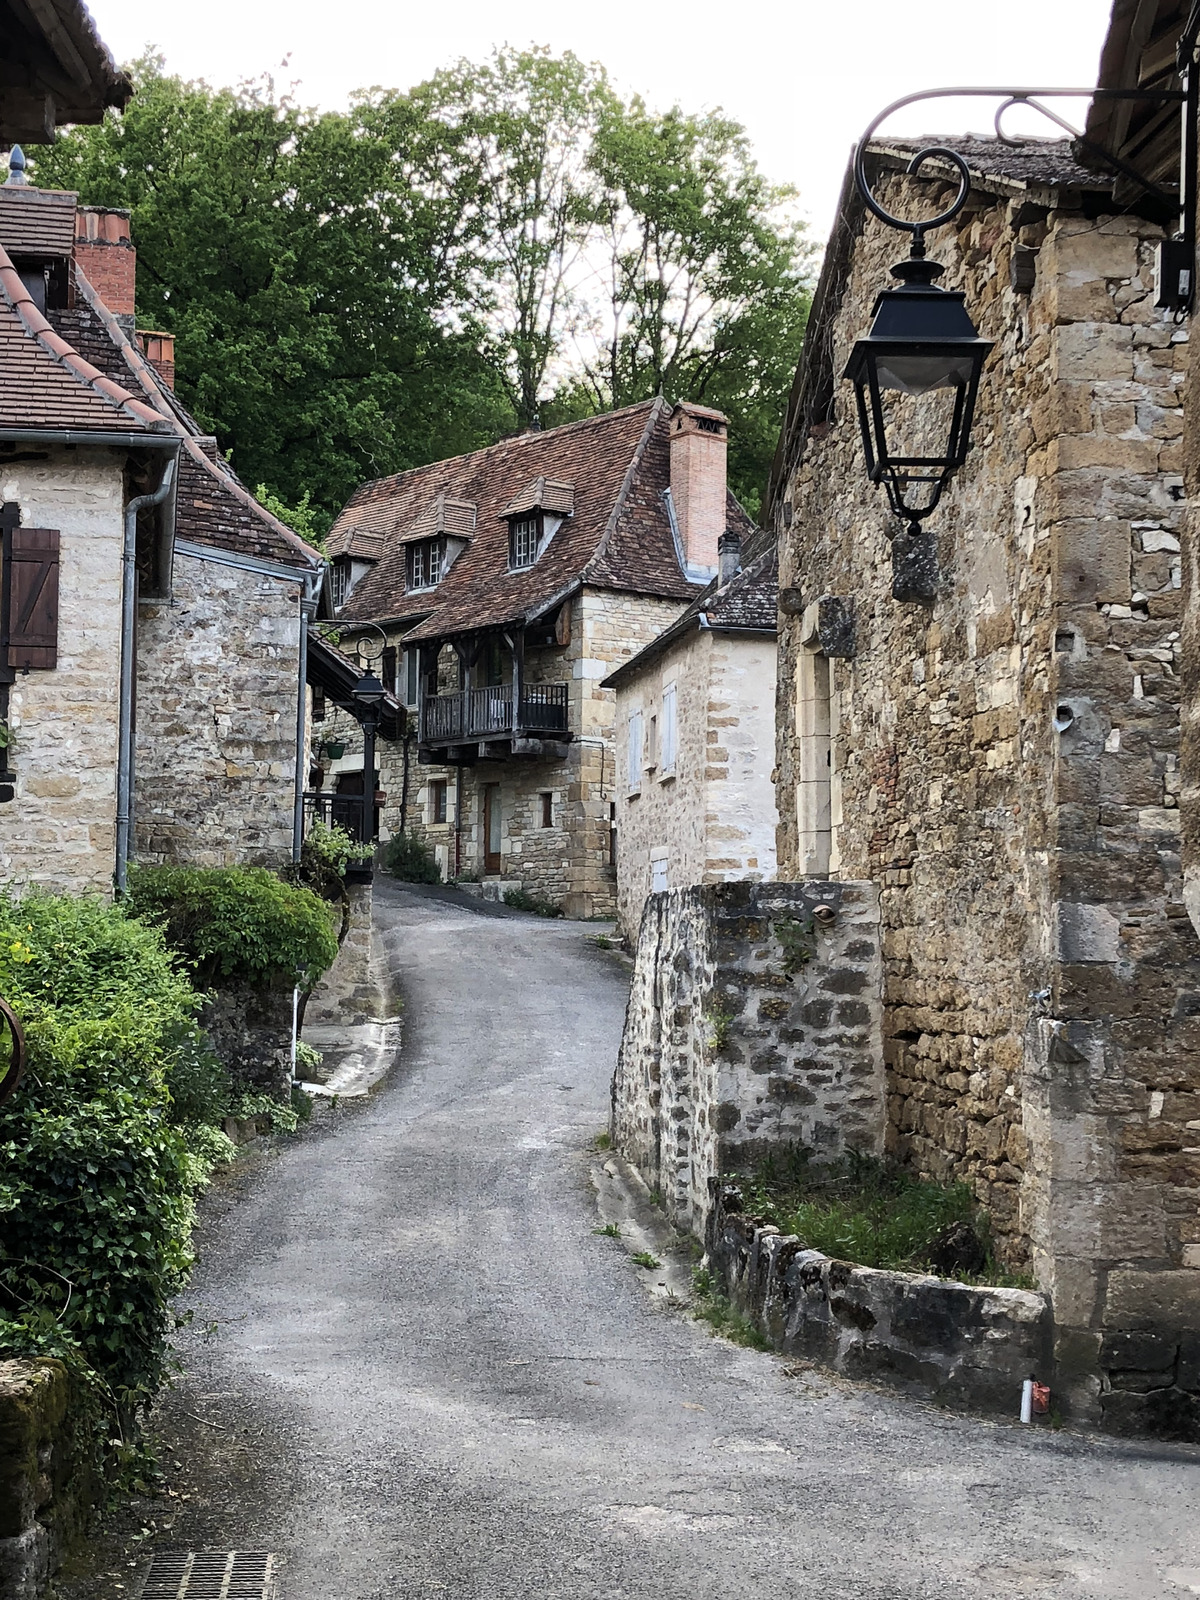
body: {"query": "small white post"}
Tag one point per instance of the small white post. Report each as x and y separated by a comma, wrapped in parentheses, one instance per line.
(1027, 1400)
(295, 1029)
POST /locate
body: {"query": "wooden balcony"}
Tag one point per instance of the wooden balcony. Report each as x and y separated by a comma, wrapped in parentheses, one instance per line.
(533, 723)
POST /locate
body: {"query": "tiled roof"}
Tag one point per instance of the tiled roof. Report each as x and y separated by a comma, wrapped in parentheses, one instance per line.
(37, 222)
(619, 536)
(543, 494)
(46, 383)
(749, 602)
(1041, 162)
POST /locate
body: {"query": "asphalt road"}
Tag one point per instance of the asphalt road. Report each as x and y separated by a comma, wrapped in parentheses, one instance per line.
(415, 1372)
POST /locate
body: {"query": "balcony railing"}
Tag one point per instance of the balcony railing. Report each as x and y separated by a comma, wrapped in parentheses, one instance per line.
(488, 713)
(336, 810)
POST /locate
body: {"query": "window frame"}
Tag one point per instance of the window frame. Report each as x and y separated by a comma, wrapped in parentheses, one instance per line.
(339, 582)
(547, 799)
(423, 549)
(439, 802)
(534, 522)
(635, 735)
(669, 732)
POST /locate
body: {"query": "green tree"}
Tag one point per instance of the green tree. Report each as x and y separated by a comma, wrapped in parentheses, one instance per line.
(315, 291)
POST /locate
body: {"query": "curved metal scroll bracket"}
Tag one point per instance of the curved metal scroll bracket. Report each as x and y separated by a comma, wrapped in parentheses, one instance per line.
(15, 1070)
(1010, 97)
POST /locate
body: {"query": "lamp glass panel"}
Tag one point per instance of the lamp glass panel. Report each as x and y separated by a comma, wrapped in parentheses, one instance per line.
(920, 374)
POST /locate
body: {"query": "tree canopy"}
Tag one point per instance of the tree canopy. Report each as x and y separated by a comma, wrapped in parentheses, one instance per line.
(357, 292)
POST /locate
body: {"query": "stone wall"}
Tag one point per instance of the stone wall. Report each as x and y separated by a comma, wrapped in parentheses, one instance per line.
(753, 1022)
(712, 818)
(48, 1488)
(59, 832)
(1005, 768)
(964, 1346)
(216, 718)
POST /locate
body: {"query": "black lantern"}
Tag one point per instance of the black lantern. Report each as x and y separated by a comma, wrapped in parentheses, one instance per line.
(368, 691)
(921, 341)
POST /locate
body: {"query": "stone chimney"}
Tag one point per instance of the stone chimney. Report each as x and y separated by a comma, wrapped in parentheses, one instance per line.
(159, 351)
(699, 439)
(105, 254)
(729, 556)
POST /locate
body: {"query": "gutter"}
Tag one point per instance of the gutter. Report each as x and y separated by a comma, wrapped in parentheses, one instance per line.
(126, 440)
(128, 628)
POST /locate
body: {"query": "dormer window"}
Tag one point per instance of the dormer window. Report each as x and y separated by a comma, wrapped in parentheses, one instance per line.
(524, 540)
(424, 563)
(339, 580)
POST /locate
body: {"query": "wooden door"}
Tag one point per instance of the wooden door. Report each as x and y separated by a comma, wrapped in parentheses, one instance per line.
(491, 827)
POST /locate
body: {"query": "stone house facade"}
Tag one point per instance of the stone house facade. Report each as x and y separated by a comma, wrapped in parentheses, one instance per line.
(1003, 763)
(200, 658)
(499, 590)
(695, 722)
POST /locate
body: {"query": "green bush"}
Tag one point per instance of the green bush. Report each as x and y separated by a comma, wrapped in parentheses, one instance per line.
(522, 900)
(98, 1169)
(239, 923)
(325, 855)
(409, 858)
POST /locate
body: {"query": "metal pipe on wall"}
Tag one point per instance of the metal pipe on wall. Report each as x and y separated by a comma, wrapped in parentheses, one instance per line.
(142, 502)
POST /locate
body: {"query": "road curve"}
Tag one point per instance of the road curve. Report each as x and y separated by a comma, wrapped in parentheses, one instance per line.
(415, 1372)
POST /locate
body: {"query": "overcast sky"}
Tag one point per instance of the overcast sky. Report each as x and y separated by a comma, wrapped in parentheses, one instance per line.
(803, 77)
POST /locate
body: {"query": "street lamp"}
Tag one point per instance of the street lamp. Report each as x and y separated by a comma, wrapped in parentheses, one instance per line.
(368, 693)
(921, 343)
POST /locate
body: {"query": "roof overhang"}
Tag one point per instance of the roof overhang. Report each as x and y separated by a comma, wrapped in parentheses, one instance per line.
(54, 69)
(335, 674)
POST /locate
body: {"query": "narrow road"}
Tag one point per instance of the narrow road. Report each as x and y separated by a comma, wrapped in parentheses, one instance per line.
(415, 1371)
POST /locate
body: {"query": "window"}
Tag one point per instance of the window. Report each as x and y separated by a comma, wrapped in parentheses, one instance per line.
(652, 744)
(339, 577)
(424, 563)
(635, 751)
(669, 738)
(525, 534)
(388, 671)
(410, 677)
(658, 870)
(437, 800)
(547, 800)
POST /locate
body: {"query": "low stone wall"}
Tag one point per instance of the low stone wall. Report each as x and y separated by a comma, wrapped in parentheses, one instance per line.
(964, 1346)
(753, 1022)
(1151, 1383)
(47, 1486)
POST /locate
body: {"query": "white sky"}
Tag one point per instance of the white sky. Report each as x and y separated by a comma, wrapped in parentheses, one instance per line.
(804, 78)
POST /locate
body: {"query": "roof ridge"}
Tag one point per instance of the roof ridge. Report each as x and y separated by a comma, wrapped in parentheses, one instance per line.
(657, 407)
(144, 370)
(510, 439)
(55, 346)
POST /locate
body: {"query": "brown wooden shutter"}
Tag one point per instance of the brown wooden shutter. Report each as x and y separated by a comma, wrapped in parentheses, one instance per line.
(389, 669)
(33, 616)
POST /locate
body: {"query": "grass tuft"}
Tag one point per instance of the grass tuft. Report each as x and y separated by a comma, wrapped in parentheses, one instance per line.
(710, 1306)
(645, 1259)
(610, 1230)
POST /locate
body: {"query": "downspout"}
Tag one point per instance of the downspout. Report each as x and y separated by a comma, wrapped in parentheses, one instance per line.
(308, 609)
(128, 628)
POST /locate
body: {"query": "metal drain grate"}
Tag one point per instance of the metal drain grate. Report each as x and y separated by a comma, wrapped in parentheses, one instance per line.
(212, 1575)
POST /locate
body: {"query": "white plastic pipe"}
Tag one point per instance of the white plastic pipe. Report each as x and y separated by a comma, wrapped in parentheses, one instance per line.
(295, 1029)
(1027, 1400)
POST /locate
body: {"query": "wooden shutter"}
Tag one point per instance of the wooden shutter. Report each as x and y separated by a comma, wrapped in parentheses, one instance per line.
(33, 613)
(389, 669)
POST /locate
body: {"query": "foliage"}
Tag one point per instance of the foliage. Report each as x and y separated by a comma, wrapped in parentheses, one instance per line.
(522, 900)
(239, 923)
(303, 518)
(408, 857)
(308, 1057)
(720, 1022)
(708, 1305)
(357, 292)
(99, 1179)
(646, 1259)
(863, 1210)
(797, 938)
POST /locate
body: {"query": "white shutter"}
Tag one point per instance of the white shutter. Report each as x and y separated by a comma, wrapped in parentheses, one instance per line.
(635, 751)
(667, 764)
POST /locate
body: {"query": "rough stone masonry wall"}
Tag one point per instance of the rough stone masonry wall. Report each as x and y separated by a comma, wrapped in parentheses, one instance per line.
(59, 833)
(751, 1024)
(1007, 761)
(47, 1487)
(216, 718)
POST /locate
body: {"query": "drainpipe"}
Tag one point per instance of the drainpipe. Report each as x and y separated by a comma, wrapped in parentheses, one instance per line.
(128, 629)
(308, 609)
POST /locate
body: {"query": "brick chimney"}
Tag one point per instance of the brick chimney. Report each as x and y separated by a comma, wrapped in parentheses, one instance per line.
(159, 351)
(699, 439)
(104, 252)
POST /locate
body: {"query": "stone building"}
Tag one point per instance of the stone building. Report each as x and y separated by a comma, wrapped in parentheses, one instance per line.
(503, 587)
(156, 717)
(695, 723)
(1002, 761)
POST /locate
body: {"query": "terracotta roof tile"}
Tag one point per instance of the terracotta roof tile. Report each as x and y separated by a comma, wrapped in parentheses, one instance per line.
(618, 466)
